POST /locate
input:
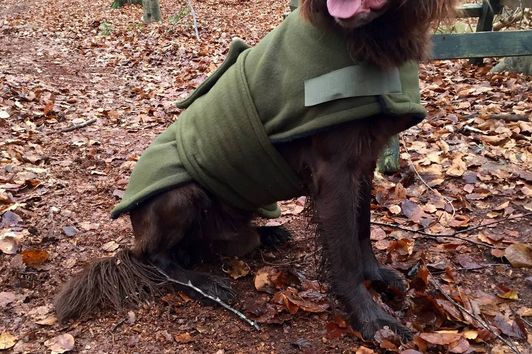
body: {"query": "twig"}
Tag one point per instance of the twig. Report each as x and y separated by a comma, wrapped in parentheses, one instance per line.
(472, 228)
(525, 321)
(280, 264)
(118, 324)
(433, 236)
(424, 182)
(510, 117)
(78, 126)
(474, 130)
(478, 319)
(454, 234)
(484, 266)
(252, 323)
(193, 13)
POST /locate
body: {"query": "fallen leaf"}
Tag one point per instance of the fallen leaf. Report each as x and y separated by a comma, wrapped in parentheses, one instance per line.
(34, 258)
(262, 281)
(519, 255)
(268, 278)
(60, 344)
(460, 346)
(9, 245)
(70, 231)
(457, 168)
(510, 329)
(236, 268)
(6, 298)
(412, 211)
(337, 328)
(7, 340)
(510, 295)
(442, 338)
(394, 209)
(364, 350)
(110, 246)
(470, 334)
(525, 312)
(183, 338)
(49, 320)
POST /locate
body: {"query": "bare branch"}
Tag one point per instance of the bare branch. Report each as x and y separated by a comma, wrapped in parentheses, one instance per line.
(78, 126)
(189, 285)
(486, 326)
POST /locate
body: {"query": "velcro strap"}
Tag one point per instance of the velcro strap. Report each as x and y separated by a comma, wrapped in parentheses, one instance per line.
(352, 81)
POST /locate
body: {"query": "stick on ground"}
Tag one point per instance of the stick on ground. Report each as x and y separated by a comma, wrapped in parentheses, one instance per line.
(189, 285)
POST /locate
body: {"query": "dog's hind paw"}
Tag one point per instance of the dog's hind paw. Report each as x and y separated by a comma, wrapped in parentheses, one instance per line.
(273, 236)
(214, 286)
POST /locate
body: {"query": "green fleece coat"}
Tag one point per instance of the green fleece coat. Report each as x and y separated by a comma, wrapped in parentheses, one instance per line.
(297, 81)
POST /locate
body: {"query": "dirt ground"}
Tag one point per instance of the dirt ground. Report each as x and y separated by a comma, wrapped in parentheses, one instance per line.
(64, 64)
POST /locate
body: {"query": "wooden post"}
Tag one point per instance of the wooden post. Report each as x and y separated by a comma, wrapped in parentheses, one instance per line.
(485, 22)
(389, 161)
(152, 11)
(119, 3)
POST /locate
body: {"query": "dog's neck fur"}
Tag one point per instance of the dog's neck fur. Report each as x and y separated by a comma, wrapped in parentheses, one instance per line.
(399, 35)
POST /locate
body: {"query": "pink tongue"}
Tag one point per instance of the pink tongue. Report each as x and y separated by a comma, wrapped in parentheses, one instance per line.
(344, 8)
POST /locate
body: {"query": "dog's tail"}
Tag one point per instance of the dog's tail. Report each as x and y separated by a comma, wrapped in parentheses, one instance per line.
(113, 282)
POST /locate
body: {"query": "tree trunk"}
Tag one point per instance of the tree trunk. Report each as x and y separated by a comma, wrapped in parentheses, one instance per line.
(152, 11)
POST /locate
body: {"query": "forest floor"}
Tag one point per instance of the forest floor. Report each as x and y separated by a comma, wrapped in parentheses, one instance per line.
(85, 88)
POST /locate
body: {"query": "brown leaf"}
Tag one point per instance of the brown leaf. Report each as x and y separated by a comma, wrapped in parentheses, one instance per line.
(6, 298)
(34, 257)
(110, 246)
(459, 221)
(267, 279)
(412, 211)
(457, 168)
(183, 338)
(294, 301)
(511, 330)
(519, 255)
(337, 328)
(236, 268)
(441, 338)
(460, 346)
(364, 350)
(60, 344)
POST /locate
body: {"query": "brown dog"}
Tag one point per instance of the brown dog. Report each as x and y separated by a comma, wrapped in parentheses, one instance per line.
(208, 209)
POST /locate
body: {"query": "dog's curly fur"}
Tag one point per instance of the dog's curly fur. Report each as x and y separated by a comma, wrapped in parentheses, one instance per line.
(401, 34)
(182, 225)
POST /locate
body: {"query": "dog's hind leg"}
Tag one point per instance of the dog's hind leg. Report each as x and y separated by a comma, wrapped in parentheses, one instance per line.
(160, 226)
(160, 229)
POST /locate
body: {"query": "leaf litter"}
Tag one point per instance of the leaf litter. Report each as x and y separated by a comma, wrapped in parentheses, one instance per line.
(57, 188)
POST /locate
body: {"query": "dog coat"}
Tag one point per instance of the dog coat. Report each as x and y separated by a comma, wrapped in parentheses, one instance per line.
(295, 82)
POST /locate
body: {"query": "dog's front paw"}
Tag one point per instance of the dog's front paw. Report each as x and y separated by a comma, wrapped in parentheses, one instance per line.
(369, 328)
(392, 279)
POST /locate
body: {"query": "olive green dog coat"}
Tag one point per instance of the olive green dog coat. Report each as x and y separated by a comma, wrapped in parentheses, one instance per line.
(297, 81)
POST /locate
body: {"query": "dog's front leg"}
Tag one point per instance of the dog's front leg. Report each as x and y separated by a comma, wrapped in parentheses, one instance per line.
(373, 271)
(338, 196)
